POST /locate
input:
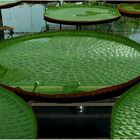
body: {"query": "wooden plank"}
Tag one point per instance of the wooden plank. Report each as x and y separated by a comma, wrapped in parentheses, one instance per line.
(99, 103)
(43, 104)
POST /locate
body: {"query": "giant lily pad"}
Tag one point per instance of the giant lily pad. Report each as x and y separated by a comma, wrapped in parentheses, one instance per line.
(133, 9)
(8, 3)
(125, 117)
(81, 14)
(39, 1)
(17, 120)
(68, 63)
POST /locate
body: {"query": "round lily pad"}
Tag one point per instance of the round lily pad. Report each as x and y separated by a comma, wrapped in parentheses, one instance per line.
(17, 120)
(73, 14)
(125, 117)
(132, 9)
(66, 63)
(8, 3)
(39, 1)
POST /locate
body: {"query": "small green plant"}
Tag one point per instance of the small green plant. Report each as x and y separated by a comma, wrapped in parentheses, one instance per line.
(36, 84)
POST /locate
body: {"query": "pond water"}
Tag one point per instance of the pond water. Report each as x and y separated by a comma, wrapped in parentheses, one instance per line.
(28, 18)
(24, 18)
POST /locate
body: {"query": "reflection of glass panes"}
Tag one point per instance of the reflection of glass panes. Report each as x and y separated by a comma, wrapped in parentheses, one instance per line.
(32, 17)
(128, 26)
(125, 26)
(135, 37)
(128, 23)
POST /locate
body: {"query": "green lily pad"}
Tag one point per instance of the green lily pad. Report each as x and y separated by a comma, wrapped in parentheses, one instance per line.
(17, 120)
(130, 8)
(8, 3)
(68, 61)
(125, 117)
(81, 14)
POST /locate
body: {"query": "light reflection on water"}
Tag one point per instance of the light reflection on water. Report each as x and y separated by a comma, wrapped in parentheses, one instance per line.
(29, 18)
(135, 37)
(25, 18)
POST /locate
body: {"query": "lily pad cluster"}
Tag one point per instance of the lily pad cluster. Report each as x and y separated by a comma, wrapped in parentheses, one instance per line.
(71, 65)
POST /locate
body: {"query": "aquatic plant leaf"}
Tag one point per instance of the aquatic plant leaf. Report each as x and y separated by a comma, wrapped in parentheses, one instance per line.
(62, 59)
(17, 120)
(9, 3)
(133, 9)
(81, 14)
(125, 122)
